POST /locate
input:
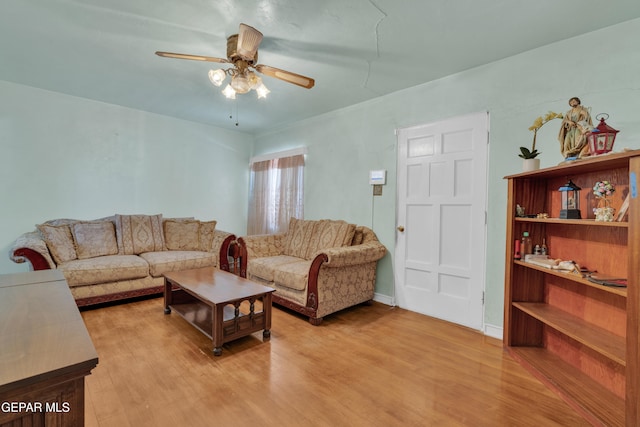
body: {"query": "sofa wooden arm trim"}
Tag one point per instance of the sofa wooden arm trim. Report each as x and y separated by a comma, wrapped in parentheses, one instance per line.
(243, 257)
(314, 271)
(38, 262)
(224, 252)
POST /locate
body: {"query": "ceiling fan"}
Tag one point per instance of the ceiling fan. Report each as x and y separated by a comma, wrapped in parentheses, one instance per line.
(242, 52)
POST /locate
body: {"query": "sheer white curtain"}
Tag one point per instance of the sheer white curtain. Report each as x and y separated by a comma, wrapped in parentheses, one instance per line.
(275, 194)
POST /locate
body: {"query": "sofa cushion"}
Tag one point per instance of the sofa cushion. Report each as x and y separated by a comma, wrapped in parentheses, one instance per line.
(139, 233)
(182, 235)
(94, 239)
(205, 234)
(293, 275)
(330, 234)
(59, 242)
(298, 297)
(264, 268)
(298, 237)
(168, 261)
(104, 269)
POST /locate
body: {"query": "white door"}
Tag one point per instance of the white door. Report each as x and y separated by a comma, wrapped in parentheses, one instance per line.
(442, 192)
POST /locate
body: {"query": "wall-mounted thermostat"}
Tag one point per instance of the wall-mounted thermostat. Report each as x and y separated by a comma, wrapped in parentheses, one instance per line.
(378, 177)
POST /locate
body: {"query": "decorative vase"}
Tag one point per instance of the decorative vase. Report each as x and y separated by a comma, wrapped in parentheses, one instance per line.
(529, 165)
(604, 212)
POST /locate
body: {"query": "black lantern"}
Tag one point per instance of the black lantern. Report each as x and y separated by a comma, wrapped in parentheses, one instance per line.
(601, 138)
(570, 201)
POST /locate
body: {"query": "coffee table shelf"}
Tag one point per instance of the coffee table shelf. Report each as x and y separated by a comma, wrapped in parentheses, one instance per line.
(197, 313)
(200, 316)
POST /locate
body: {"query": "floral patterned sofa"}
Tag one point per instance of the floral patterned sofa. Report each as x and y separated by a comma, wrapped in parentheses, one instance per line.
(122, 256)
(316, 267)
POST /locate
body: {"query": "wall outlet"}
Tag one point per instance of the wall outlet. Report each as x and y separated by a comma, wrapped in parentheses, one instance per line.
(377, 190)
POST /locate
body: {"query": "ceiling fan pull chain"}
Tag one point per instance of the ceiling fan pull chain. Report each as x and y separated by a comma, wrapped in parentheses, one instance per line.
(237, 115)
(235, 104)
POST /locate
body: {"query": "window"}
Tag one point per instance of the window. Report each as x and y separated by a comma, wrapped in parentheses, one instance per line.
(275, 194)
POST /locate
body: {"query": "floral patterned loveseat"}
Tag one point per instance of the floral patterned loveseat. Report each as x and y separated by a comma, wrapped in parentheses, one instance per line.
(122, 256)
(316, 267)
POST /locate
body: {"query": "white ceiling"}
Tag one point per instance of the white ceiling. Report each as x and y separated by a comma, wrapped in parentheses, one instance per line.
(355, 49)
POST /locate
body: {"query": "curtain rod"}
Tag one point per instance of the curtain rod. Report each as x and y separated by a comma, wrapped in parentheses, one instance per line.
(278, 155)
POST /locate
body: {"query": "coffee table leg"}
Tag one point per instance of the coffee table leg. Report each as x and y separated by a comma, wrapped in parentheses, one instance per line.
(217, 317)
(266, 308)
(167, 296)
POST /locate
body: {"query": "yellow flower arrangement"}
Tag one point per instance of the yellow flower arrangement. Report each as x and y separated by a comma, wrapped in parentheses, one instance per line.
(537, 124)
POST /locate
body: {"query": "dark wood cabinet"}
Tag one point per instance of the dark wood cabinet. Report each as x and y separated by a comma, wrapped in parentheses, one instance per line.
(578, 337)
(45, 351)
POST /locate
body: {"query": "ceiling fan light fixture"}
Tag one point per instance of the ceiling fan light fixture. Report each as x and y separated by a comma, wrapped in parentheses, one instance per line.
(217, 76)
(229, 92)
(262, 90)
(254, 80)
(242, 55)
(240, 83)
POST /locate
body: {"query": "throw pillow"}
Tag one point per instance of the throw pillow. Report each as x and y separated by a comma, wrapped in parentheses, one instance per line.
(206, 233)
(59, 242)
(94, 239)
(298, 237)
(358, 236)
(139, 233)
(182, 235)
(331, 234)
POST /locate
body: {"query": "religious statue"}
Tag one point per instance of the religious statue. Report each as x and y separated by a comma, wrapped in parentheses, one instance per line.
(576, 124)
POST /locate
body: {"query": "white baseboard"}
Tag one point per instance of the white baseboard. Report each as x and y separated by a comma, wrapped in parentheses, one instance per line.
(384, 299)
(493, 331)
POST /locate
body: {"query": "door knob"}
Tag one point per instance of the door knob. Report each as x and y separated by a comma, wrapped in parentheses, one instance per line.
(400, 228)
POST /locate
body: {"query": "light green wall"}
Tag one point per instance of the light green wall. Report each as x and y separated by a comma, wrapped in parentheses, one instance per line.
(602, 68)
(68, 157)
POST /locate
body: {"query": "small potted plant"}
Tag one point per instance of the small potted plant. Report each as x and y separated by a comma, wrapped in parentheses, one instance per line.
(530, 162)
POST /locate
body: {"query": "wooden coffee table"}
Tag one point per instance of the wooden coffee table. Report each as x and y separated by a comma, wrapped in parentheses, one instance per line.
(210, 300)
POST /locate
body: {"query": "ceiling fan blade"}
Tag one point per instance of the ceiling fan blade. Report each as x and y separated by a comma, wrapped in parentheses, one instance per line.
(248, 41)
(191, 57)
(287, 76)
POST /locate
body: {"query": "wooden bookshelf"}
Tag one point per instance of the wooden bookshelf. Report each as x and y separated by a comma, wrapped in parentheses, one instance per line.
(578, 337)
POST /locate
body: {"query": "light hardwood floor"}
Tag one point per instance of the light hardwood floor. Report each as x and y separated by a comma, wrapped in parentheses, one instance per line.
(366, 366)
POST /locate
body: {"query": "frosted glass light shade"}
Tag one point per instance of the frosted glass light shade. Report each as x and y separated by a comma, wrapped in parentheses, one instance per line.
(217, 76)
(262, 91)
(254, 80)
(229, 92)
(240, 83)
